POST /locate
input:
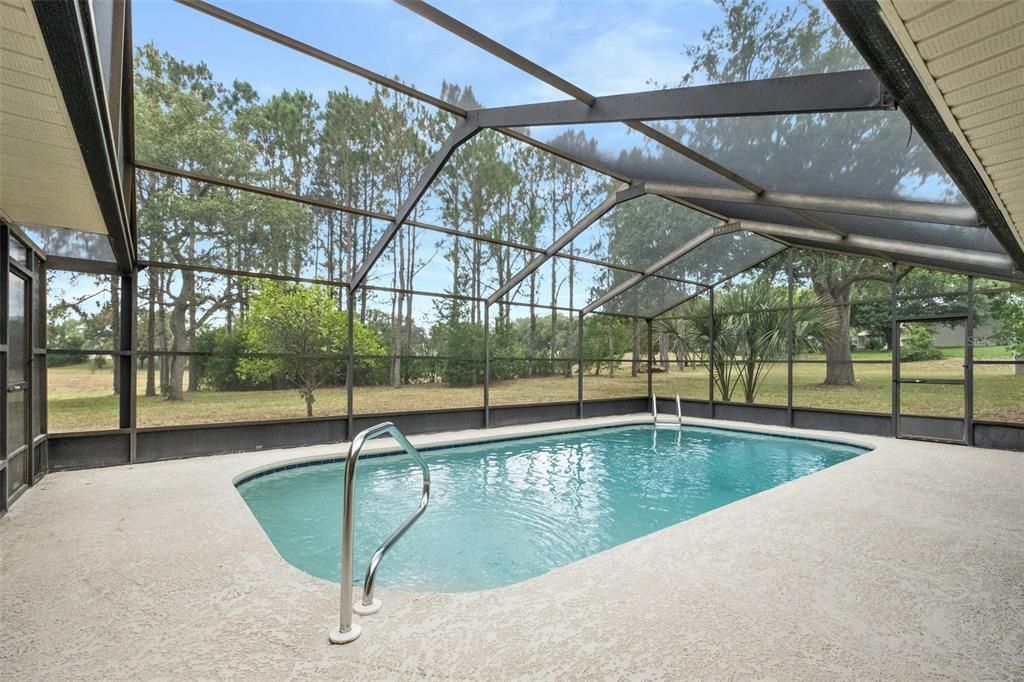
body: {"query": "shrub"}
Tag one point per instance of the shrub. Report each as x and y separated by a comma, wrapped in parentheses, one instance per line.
(219, 372)
(65, 359)
(919, 344)
(461, 344)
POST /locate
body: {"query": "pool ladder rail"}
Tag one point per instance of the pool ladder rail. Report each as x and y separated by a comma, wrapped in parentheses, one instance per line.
(679, 409)
(347, 631)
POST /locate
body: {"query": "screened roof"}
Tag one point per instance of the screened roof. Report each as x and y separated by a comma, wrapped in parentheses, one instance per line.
(629, 146)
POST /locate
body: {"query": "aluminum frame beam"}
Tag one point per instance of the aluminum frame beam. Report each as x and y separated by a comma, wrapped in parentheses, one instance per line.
(873, 93)
(316, 53)
(471, 35)
(922, 211)
(622, 195)
(462, 133)
(818, 93)
(998, 265)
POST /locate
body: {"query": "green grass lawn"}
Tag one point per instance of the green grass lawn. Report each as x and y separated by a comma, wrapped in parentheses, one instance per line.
(81, 398)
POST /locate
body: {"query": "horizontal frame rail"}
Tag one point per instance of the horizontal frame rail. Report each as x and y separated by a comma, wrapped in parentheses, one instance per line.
(817, 93)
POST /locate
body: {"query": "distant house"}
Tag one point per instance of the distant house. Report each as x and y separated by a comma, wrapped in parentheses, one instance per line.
(952, 336)
(947, 336)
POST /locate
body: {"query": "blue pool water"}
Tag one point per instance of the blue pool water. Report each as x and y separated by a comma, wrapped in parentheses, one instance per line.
(506, 511)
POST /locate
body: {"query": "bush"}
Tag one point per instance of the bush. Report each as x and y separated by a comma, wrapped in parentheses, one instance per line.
(507, 352)
(65, 359)
(219, 372)
(918, 345)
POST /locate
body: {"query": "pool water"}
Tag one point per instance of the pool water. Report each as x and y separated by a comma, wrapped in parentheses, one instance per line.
(505, 511)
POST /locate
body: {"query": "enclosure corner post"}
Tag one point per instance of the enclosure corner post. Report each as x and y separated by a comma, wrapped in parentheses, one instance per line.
(969, 366)
(894, 347)
(791, 337)
(579, 368)
(650, 360)
(350, 362)
(487, 366)
(127, 360)
(711, 353)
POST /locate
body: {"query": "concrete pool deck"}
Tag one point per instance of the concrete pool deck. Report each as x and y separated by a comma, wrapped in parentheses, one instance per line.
(906, 562)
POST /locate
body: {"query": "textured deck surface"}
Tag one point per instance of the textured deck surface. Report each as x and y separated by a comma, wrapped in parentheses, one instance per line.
(904, 563)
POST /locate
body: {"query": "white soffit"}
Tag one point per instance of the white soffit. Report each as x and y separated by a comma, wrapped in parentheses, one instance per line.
(43, 178)
(969, 54)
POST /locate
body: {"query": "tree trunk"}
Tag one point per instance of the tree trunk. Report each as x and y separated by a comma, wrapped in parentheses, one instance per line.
(176, 377)
(179, 332)
(165, 375)
(397, 310)
(532, 344)
(663, 351)
(193, 375)
(611, 355)
(554, 295)
(476, 315)
(838, 358)
(749, 387)
(835, 291)
(407, 323)
(722, 380)
(635, 364)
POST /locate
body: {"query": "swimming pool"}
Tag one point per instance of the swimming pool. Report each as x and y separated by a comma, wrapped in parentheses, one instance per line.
(504, 511)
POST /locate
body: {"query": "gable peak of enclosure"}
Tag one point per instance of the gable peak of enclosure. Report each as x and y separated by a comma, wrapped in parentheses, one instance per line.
(490, 192)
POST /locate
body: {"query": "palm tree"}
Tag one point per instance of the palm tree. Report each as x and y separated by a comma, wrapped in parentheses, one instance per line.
(751, 324)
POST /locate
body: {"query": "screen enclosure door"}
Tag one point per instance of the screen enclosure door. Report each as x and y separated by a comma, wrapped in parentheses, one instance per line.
(17, 421)
(931, 374)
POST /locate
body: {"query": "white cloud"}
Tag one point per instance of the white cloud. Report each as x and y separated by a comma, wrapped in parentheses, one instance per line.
(626, 58)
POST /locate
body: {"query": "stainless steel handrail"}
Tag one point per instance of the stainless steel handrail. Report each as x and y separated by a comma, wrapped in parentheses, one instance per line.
(679, 410)
(348, 631)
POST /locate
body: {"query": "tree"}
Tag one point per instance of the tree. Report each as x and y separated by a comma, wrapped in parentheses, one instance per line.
(606, 339)
(1010, 320)
(186, 119)
(460, 343)
(833, 279)
(864, 154)
(303, 327)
